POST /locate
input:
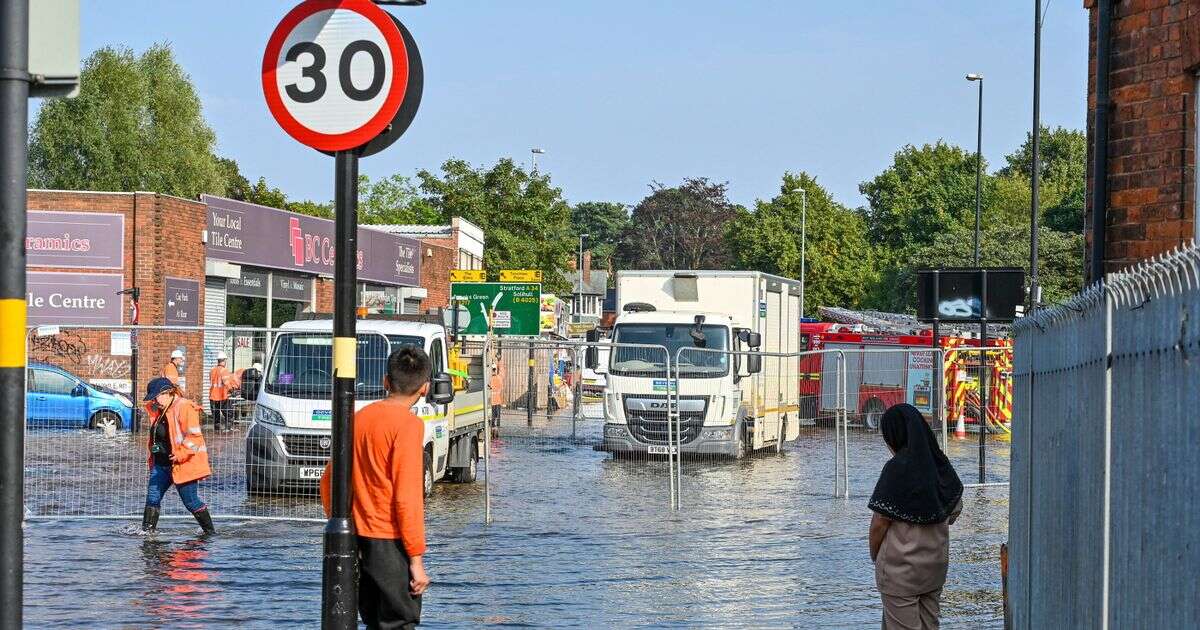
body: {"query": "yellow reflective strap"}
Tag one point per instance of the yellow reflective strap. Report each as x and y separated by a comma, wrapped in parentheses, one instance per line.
(343, 357)
(12, 333)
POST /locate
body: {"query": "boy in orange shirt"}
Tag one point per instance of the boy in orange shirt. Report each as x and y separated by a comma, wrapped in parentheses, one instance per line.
(388, 490)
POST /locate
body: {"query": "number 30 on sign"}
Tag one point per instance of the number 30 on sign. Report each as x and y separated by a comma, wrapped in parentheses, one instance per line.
(336, 73)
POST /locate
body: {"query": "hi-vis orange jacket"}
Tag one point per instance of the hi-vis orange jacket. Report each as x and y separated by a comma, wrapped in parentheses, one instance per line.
(187, 442)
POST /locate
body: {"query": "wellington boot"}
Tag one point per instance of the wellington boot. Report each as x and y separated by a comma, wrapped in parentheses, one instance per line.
(149, 519)
(205, 520)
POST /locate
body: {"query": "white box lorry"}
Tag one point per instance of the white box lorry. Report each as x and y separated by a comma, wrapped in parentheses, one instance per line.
(288, 442)
(728, 405)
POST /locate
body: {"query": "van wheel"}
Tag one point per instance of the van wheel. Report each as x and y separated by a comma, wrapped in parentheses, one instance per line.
(428, 477)
(105, 421)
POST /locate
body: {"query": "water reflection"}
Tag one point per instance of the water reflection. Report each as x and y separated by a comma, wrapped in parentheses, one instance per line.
(580, 540)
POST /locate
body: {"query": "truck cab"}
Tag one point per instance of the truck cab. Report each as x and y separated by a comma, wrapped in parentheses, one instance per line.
(289, 439)
(709, 327)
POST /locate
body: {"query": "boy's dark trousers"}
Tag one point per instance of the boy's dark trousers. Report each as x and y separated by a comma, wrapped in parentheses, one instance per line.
(384, 598)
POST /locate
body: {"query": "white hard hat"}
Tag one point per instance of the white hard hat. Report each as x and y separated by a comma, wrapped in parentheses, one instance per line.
(177, 354)
(257, 366)
(221, 356)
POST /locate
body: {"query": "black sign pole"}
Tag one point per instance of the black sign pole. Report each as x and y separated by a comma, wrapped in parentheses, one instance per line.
(339, 588)
(939, 384)
(983, 373)
(14, 108)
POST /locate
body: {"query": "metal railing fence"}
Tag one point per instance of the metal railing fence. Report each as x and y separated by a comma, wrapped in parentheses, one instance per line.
(1104, 527)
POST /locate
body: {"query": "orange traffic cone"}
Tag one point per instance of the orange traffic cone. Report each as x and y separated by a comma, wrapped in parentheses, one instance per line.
(960, 429)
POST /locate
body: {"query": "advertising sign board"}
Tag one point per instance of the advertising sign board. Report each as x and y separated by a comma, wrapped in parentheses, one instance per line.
(73, 298)
(83, 240)
(250, 234)
(956, 295)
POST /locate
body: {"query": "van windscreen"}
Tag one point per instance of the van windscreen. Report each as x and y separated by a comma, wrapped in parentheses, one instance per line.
(302, 366)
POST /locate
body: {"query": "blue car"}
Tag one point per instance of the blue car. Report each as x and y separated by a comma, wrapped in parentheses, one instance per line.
(55, 397)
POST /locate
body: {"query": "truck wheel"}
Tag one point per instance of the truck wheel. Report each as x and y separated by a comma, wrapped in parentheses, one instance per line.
(873, 415)
(466, 474)
(428, 477)
(742, 447)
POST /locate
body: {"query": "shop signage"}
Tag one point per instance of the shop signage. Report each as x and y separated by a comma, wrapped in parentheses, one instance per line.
(82, 240)
(509, 309)
(88, 299)
(289, 287)
(249, 284)
(250, 234)
(182, 297)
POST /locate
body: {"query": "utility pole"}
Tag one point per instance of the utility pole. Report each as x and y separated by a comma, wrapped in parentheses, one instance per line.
(1035, 297)
(978, 160)
(579, 282)
(14, 113)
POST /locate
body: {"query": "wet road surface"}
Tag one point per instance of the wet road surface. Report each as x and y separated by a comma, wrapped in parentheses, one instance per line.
(579, 540)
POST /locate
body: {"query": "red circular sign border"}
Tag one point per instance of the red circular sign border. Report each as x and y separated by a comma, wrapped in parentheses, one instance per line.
(365, 133)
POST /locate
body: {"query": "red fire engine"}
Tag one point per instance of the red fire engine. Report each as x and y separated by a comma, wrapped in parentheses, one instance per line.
(877, 379)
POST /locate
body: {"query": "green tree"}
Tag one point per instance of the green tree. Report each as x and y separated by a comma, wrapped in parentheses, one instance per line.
(1060, 261)
(604, 222)
(925, 192)
(311, 208)
(1064, 176)
(136, 125)
(681, 227)
(839, 266)
(393, 200)
(526, 223)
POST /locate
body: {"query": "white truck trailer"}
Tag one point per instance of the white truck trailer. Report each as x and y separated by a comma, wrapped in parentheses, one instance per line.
(289, 440)
(728, 405)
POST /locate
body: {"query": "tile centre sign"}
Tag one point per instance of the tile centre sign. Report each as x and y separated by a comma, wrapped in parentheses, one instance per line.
(73, 298)
(82, 240)
(250, 234)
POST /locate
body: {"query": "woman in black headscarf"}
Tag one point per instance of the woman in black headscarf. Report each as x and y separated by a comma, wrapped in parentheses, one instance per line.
(917, 498)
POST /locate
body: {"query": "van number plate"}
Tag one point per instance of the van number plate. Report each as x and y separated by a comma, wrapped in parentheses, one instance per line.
(656, 449)
(311, 472)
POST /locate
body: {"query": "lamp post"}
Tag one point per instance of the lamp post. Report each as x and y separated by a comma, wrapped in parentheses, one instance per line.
(1035, 297)
(536, 151)
(978, 160)
(803, 242)
(579, 282)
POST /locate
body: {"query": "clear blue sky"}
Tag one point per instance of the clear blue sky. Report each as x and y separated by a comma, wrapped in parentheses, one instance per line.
(624, 92)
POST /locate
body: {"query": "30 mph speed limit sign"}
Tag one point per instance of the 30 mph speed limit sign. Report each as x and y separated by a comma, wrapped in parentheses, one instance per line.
(339, 73)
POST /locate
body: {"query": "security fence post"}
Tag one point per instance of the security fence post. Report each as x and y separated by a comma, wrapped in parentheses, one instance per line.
(530, 393)
(489, 364)
(577, 382)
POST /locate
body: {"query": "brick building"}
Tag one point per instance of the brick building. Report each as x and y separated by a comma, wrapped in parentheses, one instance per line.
(214, 262)
(455, 246)
(1153, 56)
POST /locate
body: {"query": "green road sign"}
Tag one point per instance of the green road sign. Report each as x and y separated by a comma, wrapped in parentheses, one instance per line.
(513, 309)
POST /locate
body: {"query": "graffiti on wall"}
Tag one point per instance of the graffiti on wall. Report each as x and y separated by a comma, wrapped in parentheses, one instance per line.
(64, 347)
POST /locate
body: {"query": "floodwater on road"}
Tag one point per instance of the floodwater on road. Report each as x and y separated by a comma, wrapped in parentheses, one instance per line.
(579, 539)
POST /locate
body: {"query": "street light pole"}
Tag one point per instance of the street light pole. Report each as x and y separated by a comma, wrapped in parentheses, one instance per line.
(803, 241)
(978, 160)
(535, 151)
(1036, 168)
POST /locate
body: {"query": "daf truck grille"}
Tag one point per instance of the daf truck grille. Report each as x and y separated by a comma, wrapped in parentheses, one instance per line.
(648, 418)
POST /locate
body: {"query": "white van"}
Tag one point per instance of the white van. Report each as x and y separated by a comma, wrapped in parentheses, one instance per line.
(289, 440)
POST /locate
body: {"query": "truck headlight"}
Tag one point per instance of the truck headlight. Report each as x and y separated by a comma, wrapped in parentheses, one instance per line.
(717, 434)
(614, 431)
(266, 415)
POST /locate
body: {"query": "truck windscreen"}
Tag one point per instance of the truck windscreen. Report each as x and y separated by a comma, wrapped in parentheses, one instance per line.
(302, 366)
(709, 362)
